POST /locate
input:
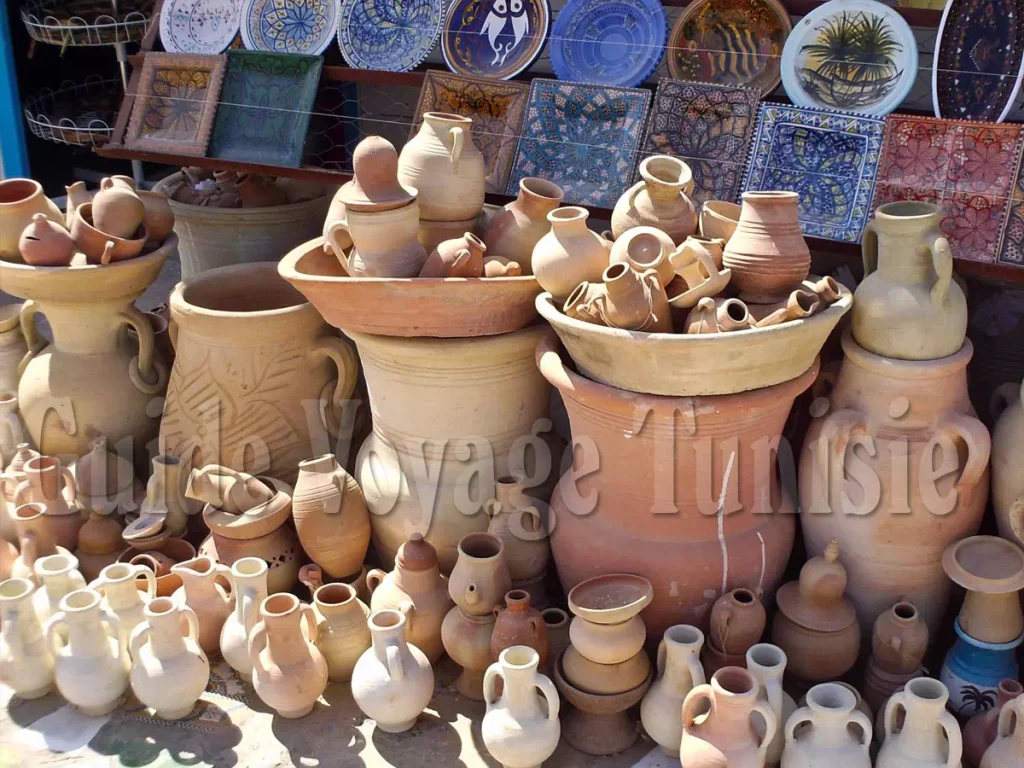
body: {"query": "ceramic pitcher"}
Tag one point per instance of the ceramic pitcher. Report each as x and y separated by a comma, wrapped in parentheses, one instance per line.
(12, 346)
(518, 623)
(382, 243)
(908, 285)
(249, 575)
(26, 661)
(200, 591)
(679, 671)
(516, 520)
(1007, 751)
(767, 663)
(660, 199)
(514, 231)
(830, 710)
(121, 595)
(444, 165)
(51, 484)
(342, 633)
(58, 575)
(34, 540)
(930, 736)
(480, 578)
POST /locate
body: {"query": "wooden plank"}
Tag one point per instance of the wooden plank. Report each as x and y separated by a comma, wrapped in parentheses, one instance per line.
(154, 28)
(124, 113)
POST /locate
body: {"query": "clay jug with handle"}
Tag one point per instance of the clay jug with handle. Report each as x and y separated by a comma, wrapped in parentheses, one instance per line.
(26, 661)
(767, 663)
(342, 633)
(830, 710)
(51, 484)
(930, 736)
(660, 199)
(1007, 751)
(679, 672)
(249, 575)
(444, 165)
(200, 591)
(121, 596)
(58, 576)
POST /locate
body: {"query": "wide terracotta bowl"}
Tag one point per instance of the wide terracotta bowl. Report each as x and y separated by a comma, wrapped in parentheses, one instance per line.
(446, 308)
(683, 365)
(610, 599)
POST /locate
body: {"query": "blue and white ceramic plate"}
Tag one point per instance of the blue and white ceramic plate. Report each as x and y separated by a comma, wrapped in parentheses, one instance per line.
(393, 35)
(608, 43)
(289, 26)
(494, 38)
(198, 26)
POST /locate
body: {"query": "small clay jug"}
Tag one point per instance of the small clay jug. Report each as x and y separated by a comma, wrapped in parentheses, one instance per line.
(383, 243)
(118, 583)
(34, 540)
(515, 729)
(644, 248)
(480, 578)
(26, 661)
(249, 575)
(829, 741)
(13, 431)
(661, 199)
(767, 663)
(200, 591)
(342, 631)
(519, 623)
(1007, 751)
(679, 671)
(513, 232)
(799, 305)
(632, 301)
(516, 520)
(718, 316)
(499, 266)
(899, 640)
(99, 544)
(697, 271)
(930, 736)
(981, 730)
(77, 194)
(58, 576)
(49, 483)
(117, 210)
(158, 216)
(45, 243)
(461, 257)
(737, 621)
(105, 482)
(569, 253)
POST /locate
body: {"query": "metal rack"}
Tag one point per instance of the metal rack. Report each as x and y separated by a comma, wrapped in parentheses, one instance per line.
(83, 129)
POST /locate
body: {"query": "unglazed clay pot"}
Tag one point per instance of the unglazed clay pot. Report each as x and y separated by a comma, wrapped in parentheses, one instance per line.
(165, 494)
(227, 489)
(556, 624)
(20, 200)
(100, 247)
(384, 243)
(908, 285)
(12, 433)
(737, 620)
(718, 316)
(499, 266)
(49, 483)
(105, 482)
(77, 194)
(45, 243)
(624, 472)
(570, 253)
(58, 576)
(117, 210)
(897, 515)
(12, 347)
(443, 164)
(767, 663)
(799, 305)
(201, 592)
(121, 597)
(461, 257)
(930, 736)
(480, 579)
(519, 624)
(26, 661)
(661, 199)
(1007, 751)
(374, 185)
(342, 633)
(679, 671)
(249, 576)
(515, 229)
(632, 301)
(516, 520)
(719, 218)
(266, 358)
(829, 741)
(767, 254)
(1007, 479)
(467, 639)
(644, 248)
(605, 679)
(34, 538)
(991, 569)
(981, 730)
(899, 641)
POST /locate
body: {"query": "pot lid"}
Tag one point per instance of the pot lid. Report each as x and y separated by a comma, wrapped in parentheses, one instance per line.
(259, 521)
(985, 564)
(375, 185)
(817, 601)
(610, 599)
(417, 554)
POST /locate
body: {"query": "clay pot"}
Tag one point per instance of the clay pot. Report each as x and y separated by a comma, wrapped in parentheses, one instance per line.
(499, 266)
(737, 621)
(20, 200)
(462, 257)
(518, 523)
(480, 578)
(718, 316)
(635, 302)
(77, 194)
(342, 633)
(1007, 480)
(556, 626)
(12, 347)
(1007, 751)
(8, 557)
(100, 247)
(582, 303)
(200, 591)
(767, 254)
(972, 671)
(697, 270)
(799, 305)
(519, 624)
(830, 710)
(99, 544)
(117, 210)
(57, 576)
(660, 200)
(26, 661)
(719, 218)
(644, 248)
(679, 671)
(280, 549)
(513, 232)
(608, 643)
(767, 663)
(467, 639)
(121, 596)
(45, 243)
(258, 191)
(899, 640)
(899, 408)
(908, 284)
(105, 483)
(288, 671)
(570, 253)
(52, 485)
(249, 577)
(35, 540)
(515, 730)
(981, 730)
(384, 243)
(227, 489)
(374, 185)
(165, 494)
(992, 571)
(930, 736)
(158, 216)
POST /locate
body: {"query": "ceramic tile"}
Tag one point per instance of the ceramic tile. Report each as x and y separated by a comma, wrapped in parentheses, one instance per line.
(582, 137)
(829, 158)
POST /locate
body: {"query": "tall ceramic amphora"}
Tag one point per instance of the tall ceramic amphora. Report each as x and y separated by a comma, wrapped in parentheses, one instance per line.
(1007, 479)
(210, 600)
(121, 595)
(330, 516)
(829, 741)
(1007, 751)
(514, 231)
(930, 736)
(908, 306)
(679, 672)
(661, 199)
(767, 663)
(249, 575)
(26, 661)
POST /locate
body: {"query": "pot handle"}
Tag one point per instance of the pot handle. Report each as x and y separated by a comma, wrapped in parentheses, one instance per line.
(335, 241)
(697, 694)
(548, 689)
(869, 248)
(771, 726)
(374, 577)
(395, 663)
(193, 623)
(1005, 715)
(942, 261)
(139, 636)
(662, 653)
(802, 715)
(53, 641)
(19, 493)
(634, 191)
(147, 372)
(949, 724)
(979, 445)
(69, 485)
(859, 718)
(344, 358)
(149, 576)
(312, 577)
(35, 342)
(458, 139)
(1002, 398)
(490, 684)
(1017, 518)
(257, 642)
(898, 699)
(312, 629)
(220, 569)
(696, 670)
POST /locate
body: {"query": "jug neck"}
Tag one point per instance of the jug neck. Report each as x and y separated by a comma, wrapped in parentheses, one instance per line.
(122, 594)
(385, 637)
(521, 689)
(903, 244)
(87, 636)
(166, 638)
(323, 465)
(285, 638)
(537, 198)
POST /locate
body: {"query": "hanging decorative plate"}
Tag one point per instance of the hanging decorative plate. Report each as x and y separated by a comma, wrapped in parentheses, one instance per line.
(854, 55)
(494, 38)
(979, 59)
(198, 26)
(729, 42)
(289, 26)
(393, 35)
(608, 42)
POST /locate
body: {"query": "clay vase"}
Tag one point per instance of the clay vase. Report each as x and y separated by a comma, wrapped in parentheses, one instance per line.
(58, 576)
(249, 576)
(1007, 480)
(35, 540)
(719, 218)
(991, 569)
(930, 736)
(633, 301)
(556, 625)
(981, 730)
(158, 216)
(461, 257)
(12, 347)
(644, 248)
(499, 266)
(52, 485)
(165, 494)
(972, 671)
(117, 210)
(20, 200)
(897, 518)
(169, 670)
(519, 624)
(829, 712)
(899, 641)
(443, 164)
(330, 516)
(725, 737)
(908, 284)
(767, 254)
(605, 679)
(383, 242)
(1007, 751)
(718, 316)
(738, 620)
(342, 633)
(517, 522)
(767, 663)
(661, 200)
(515, 730)
(26, 661)
(90, 668)
(513, 231)
(99, 544)
(679, 671)
(77, 194)
(569, 254)
(467, 640)
(200, 591)
(246, 319)
(105, 482)
(288, 671)
(123, 598)
(480, 578)
(45, 243)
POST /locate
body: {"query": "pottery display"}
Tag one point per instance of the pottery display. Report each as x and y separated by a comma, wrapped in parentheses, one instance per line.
(467, 640)
(899, 641)
(644, 248)
(991, 569)
(57, 576)
(901, 409)
(930, 736)
(90, 669)
(517, 522)
(697, 267)
(981, 730)
(49, 483)
(829, 712)
(383, 243)
(460, 257)
(121, 597)
(908, 306)
(342, 634)
(249, 576)
(165, 494)
(281, 356)
(660, 199)
(719, 218)
(973, 669)
(678, 672)
(767, 253)
(169, 670)
(569, 253)
(12, 347)
(26, 661)
(288, 671)
(1007, 480)
(513, 232)
(718, 316)
(35, 540)
(519, 624)
(45, 243)
(1007, 751)
(767, 663)
(515, 730)
(201, 592)
(20, 200)
(737, 621)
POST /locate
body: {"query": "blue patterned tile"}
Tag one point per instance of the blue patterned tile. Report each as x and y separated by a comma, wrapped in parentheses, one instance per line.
(830, 158)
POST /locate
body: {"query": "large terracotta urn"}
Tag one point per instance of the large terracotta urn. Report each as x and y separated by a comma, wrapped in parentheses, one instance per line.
(895, 470)
(444, 165)
(449, 415)
(257, 373)
(643, 494)
(1007, 479)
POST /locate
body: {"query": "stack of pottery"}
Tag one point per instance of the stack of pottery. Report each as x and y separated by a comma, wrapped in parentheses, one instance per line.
(929, 736)
(981, 730)
(899, 641)
(49, 483)
(679, 671)
(1007, 480)
(517, 521)
(737, 622)
(514, 231)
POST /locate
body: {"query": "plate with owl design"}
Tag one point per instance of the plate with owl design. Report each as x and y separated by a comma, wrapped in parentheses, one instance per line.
(392, 35)
(608, 42)
(289, 26)
(198, 26)
(494, 38)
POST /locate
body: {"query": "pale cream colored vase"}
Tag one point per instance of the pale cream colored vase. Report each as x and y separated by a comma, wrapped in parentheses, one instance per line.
(929, 737)
(679, 671)
(249, 575)
(342, 632)
(58, 576)
(288, 671)
(118, 583)
(570, 253)
(829, 741)
(1007, 751)
(200, 591)
(767, 663)
(26, 661)
(1007, 478)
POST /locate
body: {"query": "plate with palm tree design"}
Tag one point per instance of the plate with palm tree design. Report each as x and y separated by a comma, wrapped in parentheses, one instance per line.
(850, 55)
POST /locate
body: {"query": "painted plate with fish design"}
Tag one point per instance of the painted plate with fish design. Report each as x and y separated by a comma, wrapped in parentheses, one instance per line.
(392, 35)
(198, 26)
(608, 42)
(289, 26)
(494, 38)
(979, 59)
(851, 55)
(730, 43)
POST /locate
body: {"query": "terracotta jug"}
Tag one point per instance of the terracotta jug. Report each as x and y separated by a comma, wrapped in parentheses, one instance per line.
(105, 482)
(443, 164)
(383, 243)
(513, 231)
(460, 257)
(930, 736)
(515, 730)
(516, 520)
(246, 320)
(519, 623)
(20, 200)
(644, 248)
(58, 576)
(99, 544)
(1007, 751)
(342, 633)
(570, 253)
(981, 730)
(631, 301)
(767, 663)
(480, 578)
(288, 671)
(90, 668)
(767, 254)
(45, 243)
(10, 479)
(799, 305)
(77, 194)
(117, 210)
(1007, 480)
(169, 670)
(718, 316)
(737, 621)
(829, 712)
(118, 583)
(331, 516)
(35, 540)
(661, 199)
(467, 640)
(249, 576)
(200, 591)
(908, 284)
(417, 589)
(26, 661)
(49, 483)
(12, 347)
(899, 641)
(679, 671)
(725, 738)
(499, 266)
(556, 624)
(719, 218)
(158, 216)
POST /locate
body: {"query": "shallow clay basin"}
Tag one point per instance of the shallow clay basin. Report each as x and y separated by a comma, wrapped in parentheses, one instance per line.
(610, 599)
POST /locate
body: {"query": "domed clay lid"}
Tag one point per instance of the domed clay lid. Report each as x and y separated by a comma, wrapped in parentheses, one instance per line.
(817, 601)
(375, 185)
(417, 554)
(610, 599)
(259, 521)
(985, 564)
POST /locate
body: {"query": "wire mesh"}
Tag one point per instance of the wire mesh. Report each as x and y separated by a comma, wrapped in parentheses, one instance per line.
(81, 114)
(87, 23)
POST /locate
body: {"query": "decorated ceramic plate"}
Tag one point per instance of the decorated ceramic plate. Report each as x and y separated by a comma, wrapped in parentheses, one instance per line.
(198, 26)
(852, 55)
(494, 38)
(729, 42)
(289, 26)
(979, 59)
(608, 42)
(393, 35)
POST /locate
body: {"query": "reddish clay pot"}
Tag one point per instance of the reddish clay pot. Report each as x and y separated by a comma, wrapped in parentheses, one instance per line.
(519, 624)
(626, 513)
(737, 621)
